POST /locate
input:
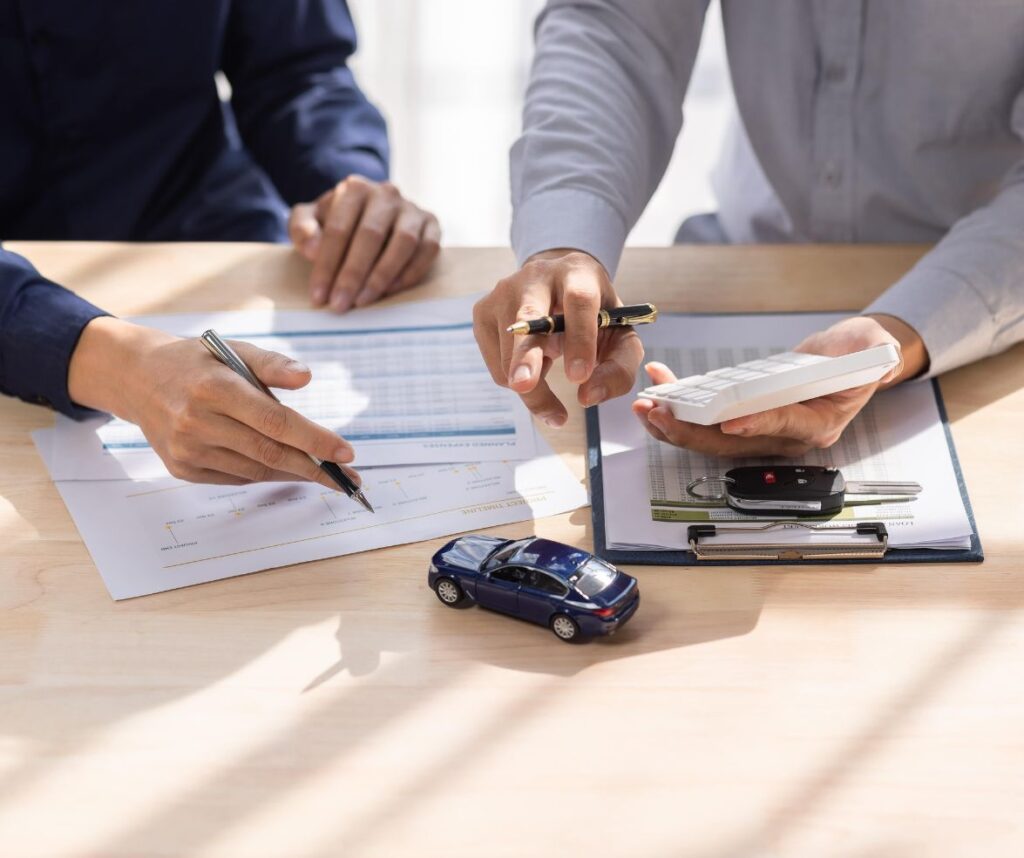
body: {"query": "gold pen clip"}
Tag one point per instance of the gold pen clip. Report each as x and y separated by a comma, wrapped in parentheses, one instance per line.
(643, 319)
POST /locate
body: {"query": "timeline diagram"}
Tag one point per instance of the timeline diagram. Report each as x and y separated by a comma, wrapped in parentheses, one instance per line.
(149, 536)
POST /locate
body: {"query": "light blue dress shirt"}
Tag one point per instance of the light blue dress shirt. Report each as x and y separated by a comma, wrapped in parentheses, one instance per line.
(862, 121)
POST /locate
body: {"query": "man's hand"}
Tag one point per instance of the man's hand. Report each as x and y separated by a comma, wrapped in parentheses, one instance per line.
(365, 241)
(792, 430)
(206, 423)
(603, 363)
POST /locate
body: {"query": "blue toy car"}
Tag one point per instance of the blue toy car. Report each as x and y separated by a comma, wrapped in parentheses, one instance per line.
(572, 592)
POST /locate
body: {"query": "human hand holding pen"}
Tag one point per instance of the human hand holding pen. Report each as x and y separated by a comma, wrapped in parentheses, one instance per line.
(603, 363)
(206, 423)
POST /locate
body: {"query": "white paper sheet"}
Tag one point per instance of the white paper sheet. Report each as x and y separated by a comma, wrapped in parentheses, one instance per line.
(899, 436)
(155, 535)
(405, 384)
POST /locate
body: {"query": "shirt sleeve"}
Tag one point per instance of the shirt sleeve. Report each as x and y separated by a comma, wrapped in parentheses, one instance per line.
(603, 110)
(40, 323)
(297, 106)
(965, 297)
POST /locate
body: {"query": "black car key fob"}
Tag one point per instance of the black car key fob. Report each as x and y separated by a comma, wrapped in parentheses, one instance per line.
(785, 490)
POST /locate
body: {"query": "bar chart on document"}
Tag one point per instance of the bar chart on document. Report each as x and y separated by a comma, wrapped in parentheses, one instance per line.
(404, 386)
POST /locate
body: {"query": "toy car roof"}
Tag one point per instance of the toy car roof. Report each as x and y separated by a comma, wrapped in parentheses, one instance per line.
(555, 557)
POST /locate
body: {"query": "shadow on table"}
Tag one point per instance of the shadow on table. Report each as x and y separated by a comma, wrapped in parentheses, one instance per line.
(970, 388)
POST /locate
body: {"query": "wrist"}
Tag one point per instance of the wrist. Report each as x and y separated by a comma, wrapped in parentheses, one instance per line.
(912, 347)
(103, 364)
(561, 253)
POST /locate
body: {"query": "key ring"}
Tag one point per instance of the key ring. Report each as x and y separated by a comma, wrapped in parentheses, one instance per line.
(691, 487)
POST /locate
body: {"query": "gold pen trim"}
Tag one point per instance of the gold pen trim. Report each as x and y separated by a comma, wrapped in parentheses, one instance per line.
(645, 319)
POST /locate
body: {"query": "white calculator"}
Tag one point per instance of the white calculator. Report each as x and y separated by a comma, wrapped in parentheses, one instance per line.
(758, 385)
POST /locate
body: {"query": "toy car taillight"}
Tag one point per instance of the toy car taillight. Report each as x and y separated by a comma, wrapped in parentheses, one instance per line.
(604, 612)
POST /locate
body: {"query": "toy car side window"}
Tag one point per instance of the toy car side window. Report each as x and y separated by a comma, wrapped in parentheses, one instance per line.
(512, 574)
(501, 556)
(545, 583)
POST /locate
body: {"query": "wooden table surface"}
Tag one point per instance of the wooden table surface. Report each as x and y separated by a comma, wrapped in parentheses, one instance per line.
(338, 709)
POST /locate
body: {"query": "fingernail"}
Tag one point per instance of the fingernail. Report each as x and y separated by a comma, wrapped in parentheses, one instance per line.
(521, 374)
(366, 297)
(344, 453)
(596, 395)
(555, 421)
(296, 366)
(341, 302)
(577, 370)
(319, 296)
(740, 429)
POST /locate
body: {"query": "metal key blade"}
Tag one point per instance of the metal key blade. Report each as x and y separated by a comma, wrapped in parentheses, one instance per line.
(867, 487)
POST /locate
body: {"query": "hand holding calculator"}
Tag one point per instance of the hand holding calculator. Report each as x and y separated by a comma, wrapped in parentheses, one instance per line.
(759, 385)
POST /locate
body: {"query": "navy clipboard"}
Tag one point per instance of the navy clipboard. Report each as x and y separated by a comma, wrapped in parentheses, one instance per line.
(973, 554)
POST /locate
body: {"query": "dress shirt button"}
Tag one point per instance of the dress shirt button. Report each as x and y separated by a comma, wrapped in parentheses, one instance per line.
(835, 73)
(832, 174)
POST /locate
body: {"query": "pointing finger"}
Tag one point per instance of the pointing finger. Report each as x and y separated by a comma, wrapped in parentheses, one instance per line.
(304, 230)
(581, 301)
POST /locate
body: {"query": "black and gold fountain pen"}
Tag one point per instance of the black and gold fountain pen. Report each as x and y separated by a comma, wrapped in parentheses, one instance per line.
(227, 356)
(615, 317)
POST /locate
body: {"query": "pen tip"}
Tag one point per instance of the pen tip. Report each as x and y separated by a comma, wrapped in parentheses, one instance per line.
(359, 496)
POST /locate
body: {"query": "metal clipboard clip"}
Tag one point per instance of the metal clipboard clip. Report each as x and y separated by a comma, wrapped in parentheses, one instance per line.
(852, 549)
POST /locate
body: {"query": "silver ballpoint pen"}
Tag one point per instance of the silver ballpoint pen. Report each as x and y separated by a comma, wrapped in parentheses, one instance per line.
(227, 356)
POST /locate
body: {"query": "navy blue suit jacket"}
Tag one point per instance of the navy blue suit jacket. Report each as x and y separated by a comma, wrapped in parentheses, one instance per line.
(111, 128)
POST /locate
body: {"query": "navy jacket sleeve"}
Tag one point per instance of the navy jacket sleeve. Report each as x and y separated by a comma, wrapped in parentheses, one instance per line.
(297, 106)
(40, 323)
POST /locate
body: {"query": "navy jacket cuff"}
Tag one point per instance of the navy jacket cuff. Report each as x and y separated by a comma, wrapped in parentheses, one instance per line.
(39, 329)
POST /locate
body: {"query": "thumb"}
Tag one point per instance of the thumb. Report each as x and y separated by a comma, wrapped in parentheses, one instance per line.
(659, 373)
(272, 368)
(304, 229)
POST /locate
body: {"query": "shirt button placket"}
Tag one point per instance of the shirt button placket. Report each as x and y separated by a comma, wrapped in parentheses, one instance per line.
(838, 23)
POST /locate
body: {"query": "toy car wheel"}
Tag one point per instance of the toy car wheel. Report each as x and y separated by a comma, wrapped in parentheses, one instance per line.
(565, 627)
(449, 592)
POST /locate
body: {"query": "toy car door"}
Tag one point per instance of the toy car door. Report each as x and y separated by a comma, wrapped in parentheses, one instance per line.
(499, 588)
(539, 596)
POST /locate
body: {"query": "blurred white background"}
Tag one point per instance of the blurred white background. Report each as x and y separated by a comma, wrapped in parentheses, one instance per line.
(449, 75)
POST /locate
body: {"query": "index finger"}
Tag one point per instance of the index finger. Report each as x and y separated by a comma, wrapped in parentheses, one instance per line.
(338, 212)
(280, 423)
(581, 302)
(523, 355)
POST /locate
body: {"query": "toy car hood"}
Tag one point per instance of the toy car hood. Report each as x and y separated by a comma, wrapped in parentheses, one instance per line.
(468, 552)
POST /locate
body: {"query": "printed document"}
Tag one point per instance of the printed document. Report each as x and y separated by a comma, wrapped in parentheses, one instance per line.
(898, 436)
(404, 384)
(147, 536)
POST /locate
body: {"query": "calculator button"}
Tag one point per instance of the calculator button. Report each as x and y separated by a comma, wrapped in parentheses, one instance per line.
(768, 477)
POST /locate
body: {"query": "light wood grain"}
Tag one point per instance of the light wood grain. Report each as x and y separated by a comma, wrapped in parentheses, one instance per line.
(336, 708)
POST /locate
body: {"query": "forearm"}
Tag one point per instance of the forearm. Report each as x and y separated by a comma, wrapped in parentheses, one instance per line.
(602, 112)
(966, 297)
